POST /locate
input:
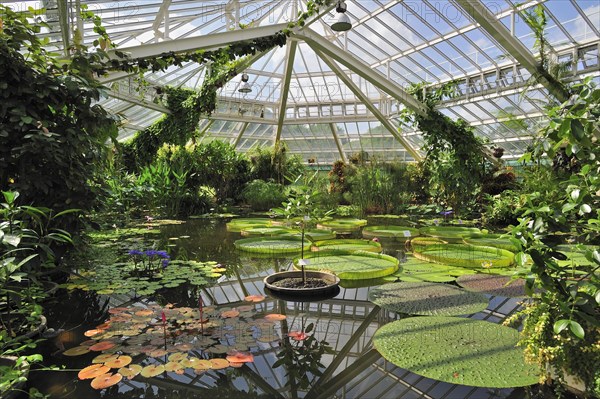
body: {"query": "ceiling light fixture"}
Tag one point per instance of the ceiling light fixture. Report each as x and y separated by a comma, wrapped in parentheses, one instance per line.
(342, 24)
(245, 88)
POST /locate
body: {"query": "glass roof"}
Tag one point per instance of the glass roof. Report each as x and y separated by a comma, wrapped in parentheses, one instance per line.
(335, 105)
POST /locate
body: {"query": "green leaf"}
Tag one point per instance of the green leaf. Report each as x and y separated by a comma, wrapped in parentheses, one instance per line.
(576, 329)
(577, 130)
(561, 325)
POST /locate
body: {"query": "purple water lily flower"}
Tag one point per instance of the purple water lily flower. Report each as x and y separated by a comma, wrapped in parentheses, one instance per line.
(135, 252)
(446, 213)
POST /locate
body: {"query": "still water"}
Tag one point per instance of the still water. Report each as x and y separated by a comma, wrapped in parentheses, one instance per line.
(332, 357)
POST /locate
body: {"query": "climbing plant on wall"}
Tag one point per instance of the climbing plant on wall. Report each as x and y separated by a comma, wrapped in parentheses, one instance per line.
(52, 130)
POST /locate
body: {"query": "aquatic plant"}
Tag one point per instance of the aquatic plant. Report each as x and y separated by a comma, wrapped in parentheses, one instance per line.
(355, 265)
(428, 299)
(457, 351)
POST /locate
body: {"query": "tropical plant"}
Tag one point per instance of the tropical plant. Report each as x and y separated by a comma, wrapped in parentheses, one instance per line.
(455, 158)
(465, 352)
(275, 164)
(561, 325)
(262, 195)
(302, 210)
(52, 129)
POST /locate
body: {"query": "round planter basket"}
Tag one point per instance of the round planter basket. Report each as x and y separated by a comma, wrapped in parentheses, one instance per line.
(316, 293)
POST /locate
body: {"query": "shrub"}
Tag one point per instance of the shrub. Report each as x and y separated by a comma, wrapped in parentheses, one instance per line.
(262, 195)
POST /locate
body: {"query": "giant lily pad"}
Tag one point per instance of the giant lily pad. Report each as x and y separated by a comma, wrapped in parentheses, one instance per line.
(420, 243)
(347, 245)
(450, 233)
(265, 231)
(343, 225)
(274, 246)
(313, 235)
(416, 270)
(428, 299)
(491, 240)
(457, 351)
(352, 265)
(493, 285)
(398, 233)
(469, 256)
(237, 225)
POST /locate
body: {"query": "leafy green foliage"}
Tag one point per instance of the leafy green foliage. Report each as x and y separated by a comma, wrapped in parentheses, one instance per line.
(50, 120)
(275, 164)
(347, 244)
(561, 327)
(177, 128)
(262, 195)
(454, 159)
(456, 351)
(429, 299)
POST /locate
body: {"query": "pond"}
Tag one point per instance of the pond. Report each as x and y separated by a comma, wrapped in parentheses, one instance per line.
(320, 349)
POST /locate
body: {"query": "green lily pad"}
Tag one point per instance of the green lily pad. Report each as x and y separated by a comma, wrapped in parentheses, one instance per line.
(398, 233)
(416, 270)
(237, 225)
(492, 240)
(273, 246)
(347, 245)
(493, 285)
(450, 233)
(357, 265)
(464, 255)
(427, 299)
(456, 350)
(343, 225)
(265, 231)
(313, 235)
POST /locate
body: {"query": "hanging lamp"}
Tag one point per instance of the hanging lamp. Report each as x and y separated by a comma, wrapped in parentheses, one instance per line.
(342, 23)
(245, 88)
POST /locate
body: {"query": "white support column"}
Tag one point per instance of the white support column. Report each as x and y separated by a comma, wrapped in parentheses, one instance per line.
(338, 143)
(285, 88)
(362, 97)
(162, 15)
(488, 21)
(239, 137)
(318, 43)
(206, 42)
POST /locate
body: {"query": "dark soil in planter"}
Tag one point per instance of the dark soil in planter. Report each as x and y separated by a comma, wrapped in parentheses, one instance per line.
(297, 283)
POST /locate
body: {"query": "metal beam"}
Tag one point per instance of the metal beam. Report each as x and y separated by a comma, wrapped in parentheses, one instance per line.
(239, 137)
(285, 88)
(362, 97)
(488, 21)
(206, 42)
(162, 14)
(338, 143)
(137, 101)
(317, 42)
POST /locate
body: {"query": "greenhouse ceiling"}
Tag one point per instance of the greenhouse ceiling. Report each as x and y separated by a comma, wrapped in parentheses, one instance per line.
(329, 94)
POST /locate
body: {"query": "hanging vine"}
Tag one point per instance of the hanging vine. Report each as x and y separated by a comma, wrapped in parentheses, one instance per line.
(454, 155)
